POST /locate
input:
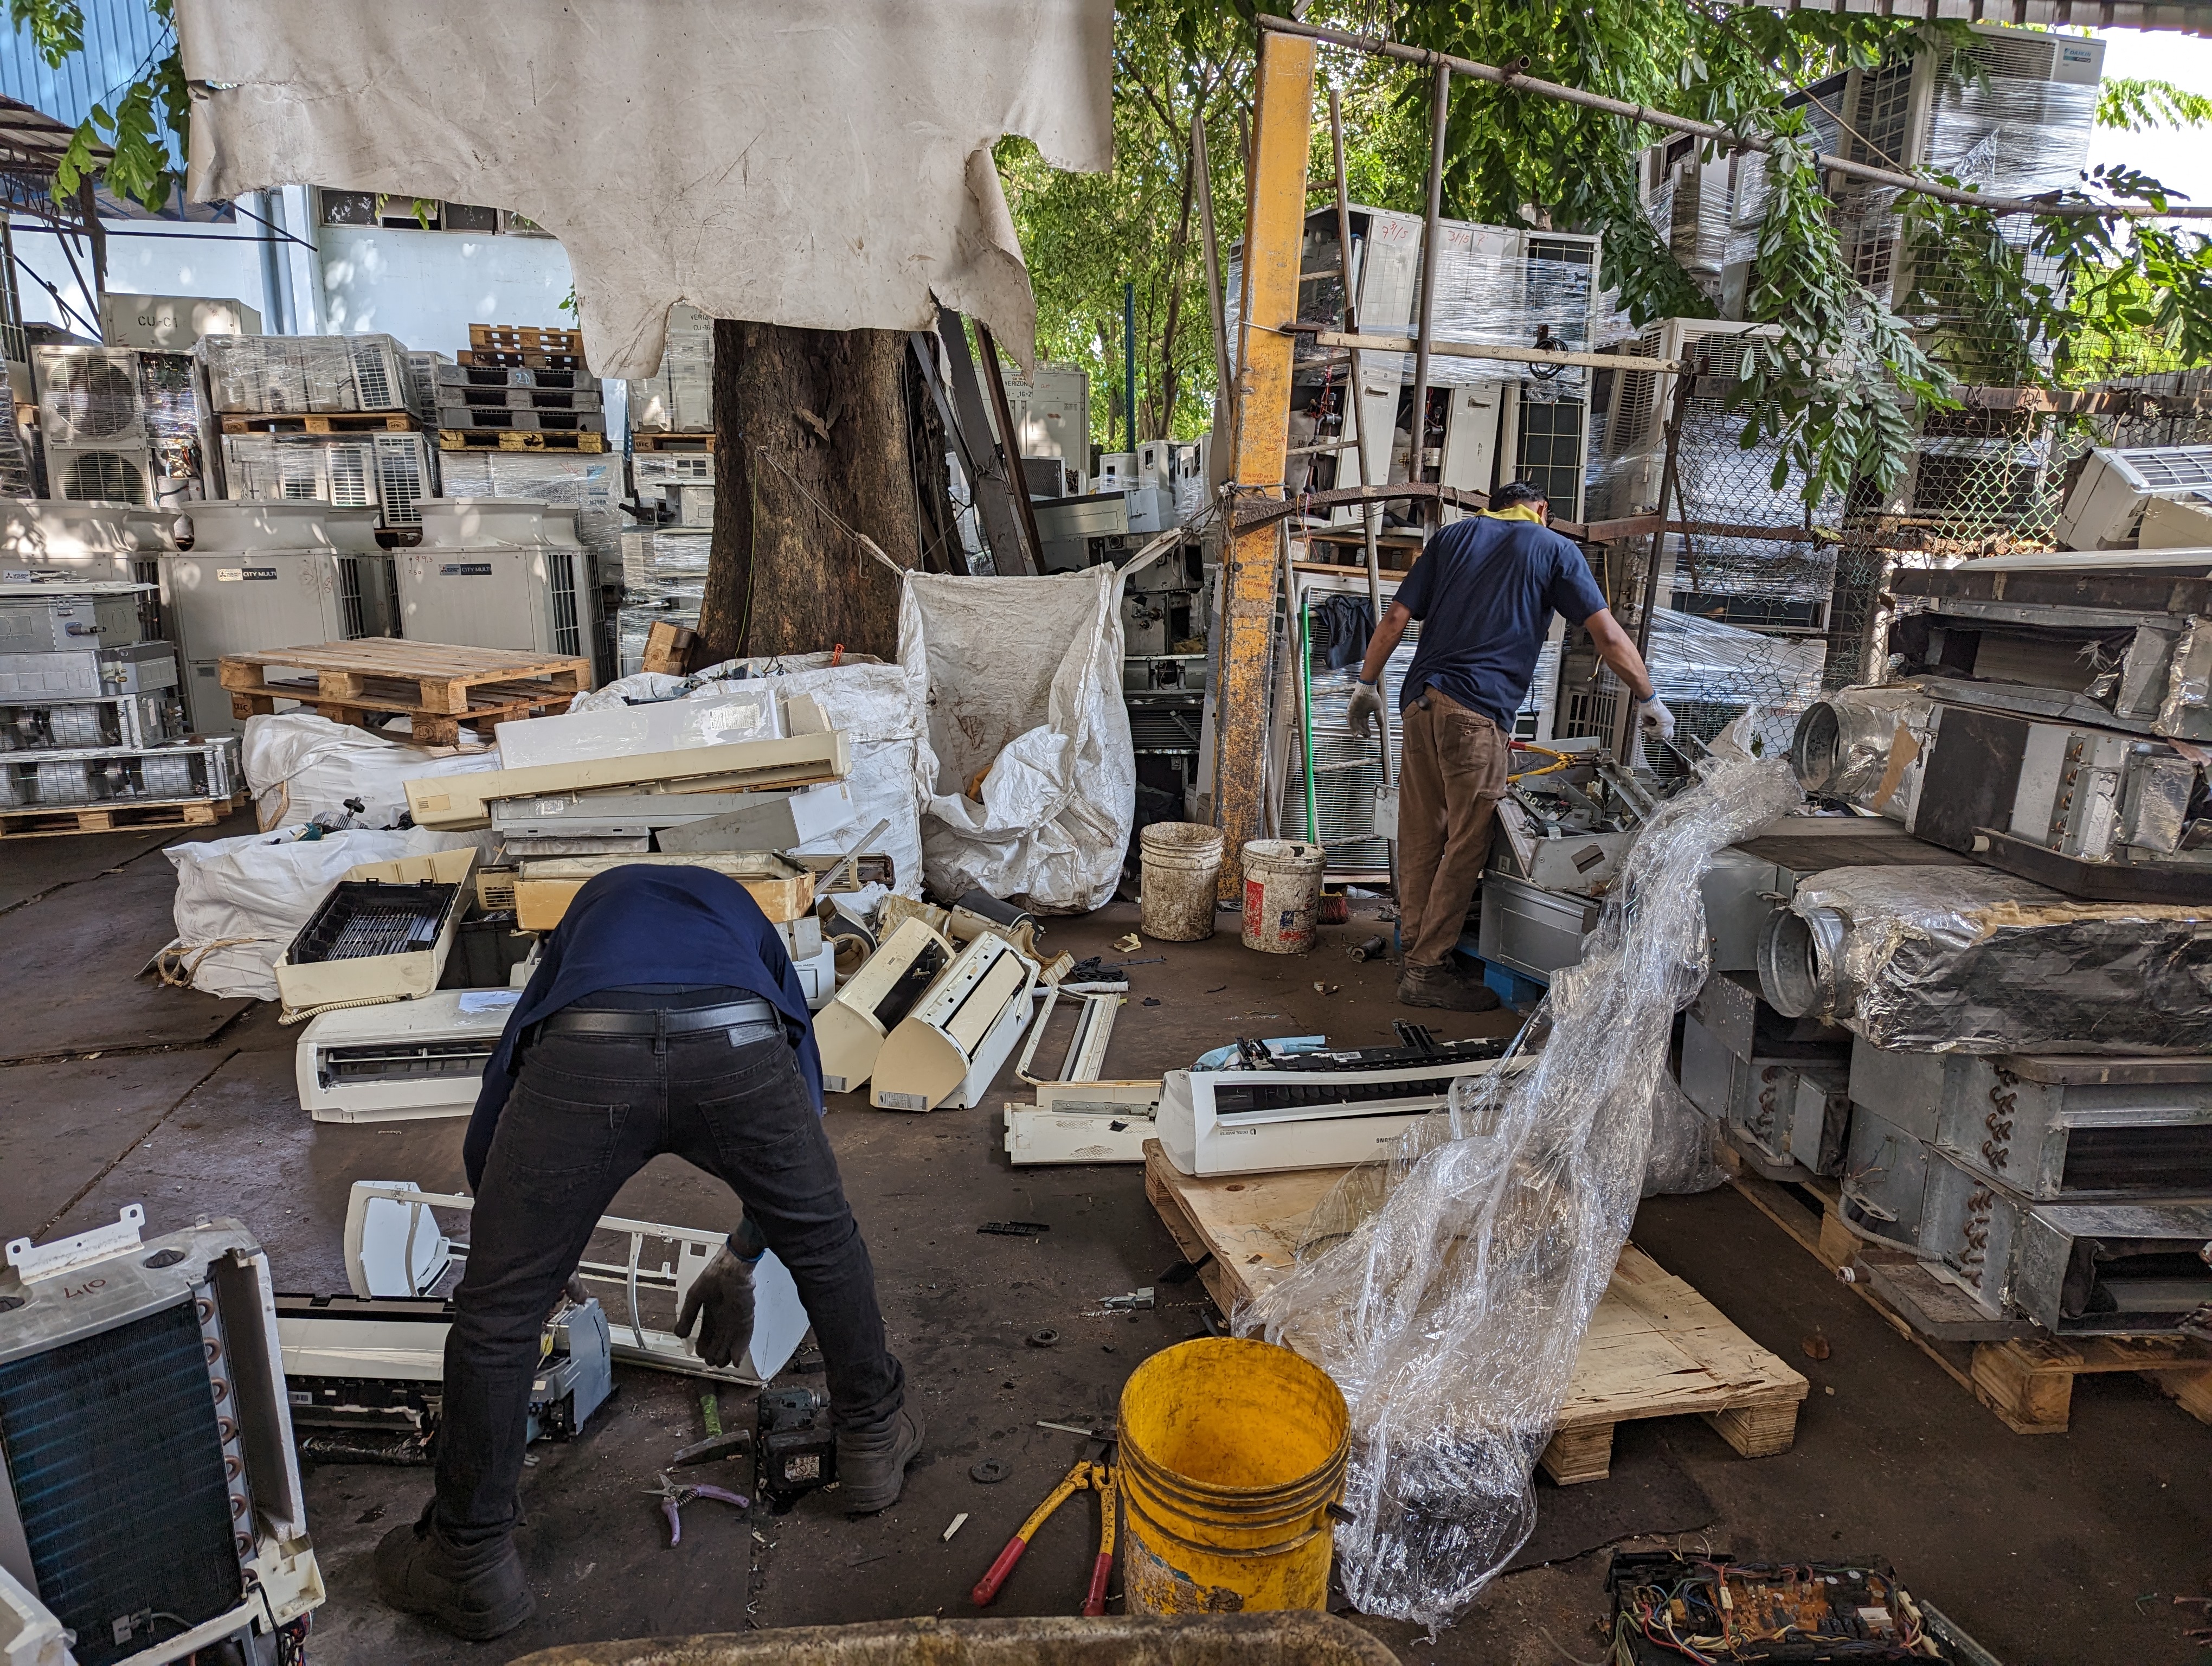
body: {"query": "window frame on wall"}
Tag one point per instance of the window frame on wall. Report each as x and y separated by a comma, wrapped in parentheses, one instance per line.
(375, 210)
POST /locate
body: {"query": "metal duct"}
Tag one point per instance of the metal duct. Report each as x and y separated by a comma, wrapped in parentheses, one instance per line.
(1855, 744)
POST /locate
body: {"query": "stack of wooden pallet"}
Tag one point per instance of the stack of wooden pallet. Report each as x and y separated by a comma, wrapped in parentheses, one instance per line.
(436, 686)
(521, 388)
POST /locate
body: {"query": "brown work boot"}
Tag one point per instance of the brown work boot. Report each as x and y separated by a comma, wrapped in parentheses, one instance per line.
(1446, 987)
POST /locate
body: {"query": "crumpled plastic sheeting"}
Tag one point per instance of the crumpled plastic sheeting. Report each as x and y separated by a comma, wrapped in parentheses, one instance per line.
(1971, 960)
(1025, 681)
(302, 767)
(240, 902)
(1447, 1291)
(1681, 1159)
(815, 163)
(878, 706)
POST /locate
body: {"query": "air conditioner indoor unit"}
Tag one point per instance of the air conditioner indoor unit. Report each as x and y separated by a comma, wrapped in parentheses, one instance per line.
(2104, 508)
(501, 573)
(151, 1507)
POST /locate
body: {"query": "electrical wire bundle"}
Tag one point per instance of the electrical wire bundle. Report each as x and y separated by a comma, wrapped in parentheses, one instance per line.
(1713, 1611)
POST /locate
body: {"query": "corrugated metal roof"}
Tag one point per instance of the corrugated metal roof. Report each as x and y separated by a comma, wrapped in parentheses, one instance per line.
(122, 38)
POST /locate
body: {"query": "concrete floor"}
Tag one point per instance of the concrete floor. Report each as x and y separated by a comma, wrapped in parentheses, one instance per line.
(2058, 1549)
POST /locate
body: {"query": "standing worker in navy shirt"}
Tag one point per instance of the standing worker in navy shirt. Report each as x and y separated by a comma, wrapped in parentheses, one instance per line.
(664, 1016)
(1485, 590)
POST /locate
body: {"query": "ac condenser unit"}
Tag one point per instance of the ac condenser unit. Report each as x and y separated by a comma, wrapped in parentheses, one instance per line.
(391, 473)
(151, 1502)
(89, 397)
(1637, 402)
(2104, 510)
(497, 573)
(114, 476)
(271, 575)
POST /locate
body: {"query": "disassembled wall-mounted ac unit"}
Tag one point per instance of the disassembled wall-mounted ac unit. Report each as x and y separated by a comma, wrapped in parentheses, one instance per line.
(947, 1050)
(2104, 508)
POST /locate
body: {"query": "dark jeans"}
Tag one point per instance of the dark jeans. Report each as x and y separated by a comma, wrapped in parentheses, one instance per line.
(587, 1112)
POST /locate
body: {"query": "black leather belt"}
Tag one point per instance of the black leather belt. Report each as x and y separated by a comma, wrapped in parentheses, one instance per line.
(737, 1017)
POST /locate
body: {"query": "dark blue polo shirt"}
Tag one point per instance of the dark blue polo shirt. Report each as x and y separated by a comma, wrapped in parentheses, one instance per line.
(648, 923)
(1484, 591)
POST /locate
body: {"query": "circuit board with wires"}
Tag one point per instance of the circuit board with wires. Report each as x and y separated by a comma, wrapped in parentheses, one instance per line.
(1668, 1609)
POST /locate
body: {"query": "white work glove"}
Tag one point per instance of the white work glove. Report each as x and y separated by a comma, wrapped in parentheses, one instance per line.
(1653, 719)
(1366, 711)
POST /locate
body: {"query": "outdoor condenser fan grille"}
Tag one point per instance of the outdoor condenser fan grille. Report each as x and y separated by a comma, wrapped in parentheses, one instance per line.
(116, 1470)
(567, 631)
(107, 476)
(403, 477)
(90, 398)
(350, 485)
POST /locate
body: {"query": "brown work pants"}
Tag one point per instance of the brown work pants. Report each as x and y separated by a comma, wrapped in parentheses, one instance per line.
(1451, 773)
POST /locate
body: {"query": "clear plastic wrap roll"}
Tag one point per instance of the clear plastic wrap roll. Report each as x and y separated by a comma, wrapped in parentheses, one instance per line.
(1971, 960)
(1447, 1290)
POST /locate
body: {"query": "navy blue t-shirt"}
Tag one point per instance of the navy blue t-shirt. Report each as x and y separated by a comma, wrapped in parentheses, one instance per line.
(1484, 591)
(645, 923)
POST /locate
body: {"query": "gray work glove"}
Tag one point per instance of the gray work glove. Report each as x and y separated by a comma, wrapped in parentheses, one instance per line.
(1366, 711)
(721, 1298)
(1653, 718)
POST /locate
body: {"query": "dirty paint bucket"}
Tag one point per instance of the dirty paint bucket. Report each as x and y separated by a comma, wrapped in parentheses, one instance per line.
(1181, 869)
(1232, 1451)
(1282, 890)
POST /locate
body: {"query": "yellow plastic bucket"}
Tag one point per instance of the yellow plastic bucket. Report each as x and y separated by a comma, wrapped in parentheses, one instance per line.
(1232, 1453)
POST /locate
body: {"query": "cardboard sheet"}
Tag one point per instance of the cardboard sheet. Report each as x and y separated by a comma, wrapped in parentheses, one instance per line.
(820, 163)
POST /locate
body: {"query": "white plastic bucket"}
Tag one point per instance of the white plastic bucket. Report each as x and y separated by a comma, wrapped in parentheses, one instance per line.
(1282, 893)
(1182, 868)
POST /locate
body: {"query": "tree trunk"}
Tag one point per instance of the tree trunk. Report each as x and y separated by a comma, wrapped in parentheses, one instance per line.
(828, 408)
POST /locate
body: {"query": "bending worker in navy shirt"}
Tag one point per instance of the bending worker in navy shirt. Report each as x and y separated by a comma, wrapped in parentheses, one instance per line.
(1485, 590)
(664, 1016)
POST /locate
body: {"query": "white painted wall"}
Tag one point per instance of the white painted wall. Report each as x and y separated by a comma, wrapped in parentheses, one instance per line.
(144, 257)
(428, 287)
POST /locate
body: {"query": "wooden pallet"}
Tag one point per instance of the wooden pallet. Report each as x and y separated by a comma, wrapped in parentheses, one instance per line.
(319, 422)
(54, 822)
(435, 686)
(1654, 1348)
(672, 441)
(2027, 1380)
(525, 339)
(519, 439)
(468, 419)
(491, 358)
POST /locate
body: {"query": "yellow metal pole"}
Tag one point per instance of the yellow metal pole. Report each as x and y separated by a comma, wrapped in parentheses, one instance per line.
(1274, 233)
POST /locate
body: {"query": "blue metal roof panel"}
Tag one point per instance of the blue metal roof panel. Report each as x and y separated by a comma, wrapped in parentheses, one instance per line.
(122, 38)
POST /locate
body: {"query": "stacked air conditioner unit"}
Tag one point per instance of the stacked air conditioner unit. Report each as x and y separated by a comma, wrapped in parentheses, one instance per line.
(274, 574)
(93, 421)
(2105, 508)
(391, 473)
(1495, 284)
(494, 572)
(1637, 404)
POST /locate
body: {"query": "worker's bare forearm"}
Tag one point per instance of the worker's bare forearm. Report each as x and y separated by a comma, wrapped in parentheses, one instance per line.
(1618, 649)
(1384, 643)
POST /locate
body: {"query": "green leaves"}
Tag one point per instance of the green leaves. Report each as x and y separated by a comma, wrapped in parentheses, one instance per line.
(55, 27)
(2136, 106)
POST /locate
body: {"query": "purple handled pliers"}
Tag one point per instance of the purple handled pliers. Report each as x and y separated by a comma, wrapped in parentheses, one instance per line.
(674, 1495)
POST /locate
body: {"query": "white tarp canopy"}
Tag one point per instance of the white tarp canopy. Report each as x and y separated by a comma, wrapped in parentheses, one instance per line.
(820, 163)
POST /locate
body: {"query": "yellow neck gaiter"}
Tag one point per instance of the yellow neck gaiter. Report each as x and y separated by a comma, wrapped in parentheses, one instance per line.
(1517, 511)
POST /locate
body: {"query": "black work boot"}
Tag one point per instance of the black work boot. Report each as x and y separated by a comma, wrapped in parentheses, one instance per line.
(476, 1593)
(872, 1463)
(1446, 987)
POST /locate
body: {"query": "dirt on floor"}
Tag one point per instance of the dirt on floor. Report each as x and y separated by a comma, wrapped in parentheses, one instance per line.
(2069, 1548)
